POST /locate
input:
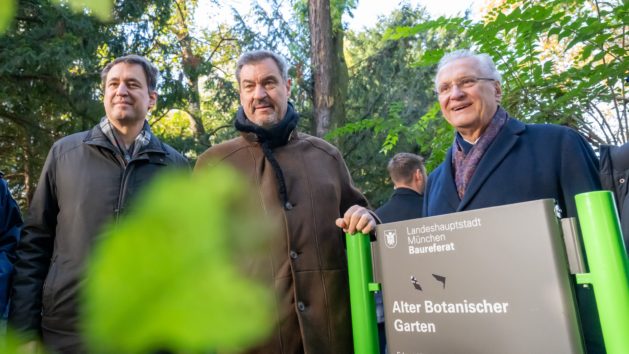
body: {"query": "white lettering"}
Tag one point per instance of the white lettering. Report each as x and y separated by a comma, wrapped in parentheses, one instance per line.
(419, 327)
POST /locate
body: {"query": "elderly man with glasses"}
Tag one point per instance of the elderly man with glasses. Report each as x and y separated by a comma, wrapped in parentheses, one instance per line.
(496, 159)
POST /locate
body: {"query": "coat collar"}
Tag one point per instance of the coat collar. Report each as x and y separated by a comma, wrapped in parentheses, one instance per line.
(405, 191)
(253, 138)
(96, 137)
(497, 151)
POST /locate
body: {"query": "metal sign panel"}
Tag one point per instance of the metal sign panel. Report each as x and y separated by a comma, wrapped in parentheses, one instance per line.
(492, 280)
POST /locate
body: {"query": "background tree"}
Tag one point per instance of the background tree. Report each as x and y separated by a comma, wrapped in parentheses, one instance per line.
(50, 61)
(391, 106)
(197, 90)
(328, 63)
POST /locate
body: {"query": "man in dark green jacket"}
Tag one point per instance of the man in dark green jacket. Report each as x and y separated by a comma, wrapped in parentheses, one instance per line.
(87, 181)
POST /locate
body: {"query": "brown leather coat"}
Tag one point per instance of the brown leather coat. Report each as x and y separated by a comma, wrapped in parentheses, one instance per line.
(307, 264)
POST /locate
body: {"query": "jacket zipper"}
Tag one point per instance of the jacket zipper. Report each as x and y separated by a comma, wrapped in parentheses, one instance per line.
(122, 193)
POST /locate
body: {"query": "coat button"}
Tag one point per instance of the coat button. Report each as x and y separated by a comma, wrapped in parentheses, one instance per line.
(288, 206)
(622, 180)
(293, 254)
(301, 307)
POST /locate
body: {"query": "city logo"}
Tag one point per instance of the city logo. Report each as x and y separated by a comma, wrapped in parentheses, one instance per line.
(390, 238)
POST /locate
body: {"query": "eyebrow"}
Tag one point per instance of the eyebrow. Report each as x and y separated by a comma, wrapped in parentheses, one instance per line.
(267, 78)
(132, 80)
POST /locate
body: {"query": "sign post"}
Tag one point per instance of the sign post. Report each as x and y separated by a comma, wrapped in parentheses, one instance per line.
(492, 280)
(363, 306)
(608, 266)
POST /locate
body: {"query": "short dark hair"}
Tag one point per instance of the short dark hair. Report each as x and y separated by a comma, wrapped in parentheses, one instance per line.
(403, 165)
(150, 71)
(259, 55)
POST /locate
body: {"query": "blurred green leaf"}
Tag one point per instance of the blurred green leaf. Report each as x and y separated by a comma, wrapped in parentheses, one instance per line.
(7, 11)
(100, 8)
(172, 275)
(430, 57)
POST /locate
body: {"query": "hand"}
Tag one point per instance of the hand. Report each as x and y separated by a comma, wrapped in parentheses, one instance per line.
(357, 218)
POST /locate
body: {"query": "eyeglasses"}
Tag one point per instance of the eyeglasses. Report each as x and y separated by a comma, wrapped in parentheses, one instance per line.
(462, 83)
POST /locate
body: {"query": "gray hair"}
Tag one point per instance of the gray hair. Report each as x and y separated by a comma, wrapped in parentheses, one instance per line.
(486, 64)
(150, 71)
(259, 55)
(403, 165)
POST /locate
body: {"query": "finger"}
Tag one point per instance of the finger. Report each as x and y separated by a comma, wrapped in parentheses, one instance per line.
(362, 222)
(371, 225)
(353, 222)
(349, 212)
(340, 222)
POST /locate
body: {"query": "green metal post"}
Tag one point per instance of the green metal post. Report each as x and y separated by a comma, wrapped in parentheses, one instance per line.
(608, 266)
(364, 325)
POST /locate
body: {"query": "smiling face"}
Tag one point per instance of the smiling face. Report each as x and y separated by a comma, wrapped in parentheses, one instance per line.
(127, 97)
(469, 110)
(263, 92)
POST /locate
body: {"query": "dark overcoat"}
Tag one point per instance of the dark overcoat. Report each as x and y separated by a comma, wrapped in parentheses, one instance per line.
(84, 184)
(404, 204)
(615, 177)
(307, 264)
(526, 162)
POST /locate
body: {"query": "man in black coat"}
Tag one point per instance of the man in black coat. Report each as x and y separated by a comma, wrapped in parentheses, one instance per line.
(615, 177)
(496, 159)
(88, 181)
(408, 175)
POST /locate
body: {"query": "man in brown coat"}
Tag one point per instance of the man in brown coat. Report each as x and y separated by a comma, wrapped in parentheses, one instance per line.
(302, 181)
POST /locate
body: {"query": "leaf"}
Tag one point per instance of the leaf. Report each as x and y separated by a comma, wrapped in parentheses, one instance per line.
(430, 57)
(100, 8)
(7, 11)
(587, 51)
(172, 274)
(548, 67)
(407, 31)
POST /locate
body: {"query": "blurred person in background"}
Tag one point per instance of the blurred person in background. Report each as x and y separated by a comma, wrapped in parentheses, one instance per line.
(10, 225)
(408, 174)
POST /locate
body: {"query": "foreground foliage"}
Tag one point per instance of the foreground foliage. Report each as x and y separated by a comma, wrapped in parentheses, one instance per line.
(176, 272)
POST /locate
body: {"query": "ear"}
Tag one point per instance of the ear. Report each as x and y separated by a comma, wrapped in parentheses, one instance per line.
(498, 91)
(419, 178)
(288, 83)
(152, 99)
(417, 175)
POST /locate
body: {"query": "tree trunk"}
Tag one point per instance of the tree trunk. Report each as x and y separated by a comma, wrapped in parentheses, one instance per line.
(190, 64)
(328, 67)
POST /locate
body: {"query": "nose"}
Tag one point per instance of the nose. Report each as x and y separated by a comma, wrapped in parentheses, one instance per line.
(259, 92)
(122, 90)
(456, 92)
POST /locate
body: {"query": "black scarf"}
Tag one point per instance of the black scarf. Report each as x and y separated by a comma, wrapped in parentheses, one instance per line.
(270, 138)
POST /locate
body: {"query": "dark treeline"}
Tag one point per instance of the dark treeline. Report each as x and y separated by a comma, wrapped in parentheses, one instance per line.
(562, 63)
